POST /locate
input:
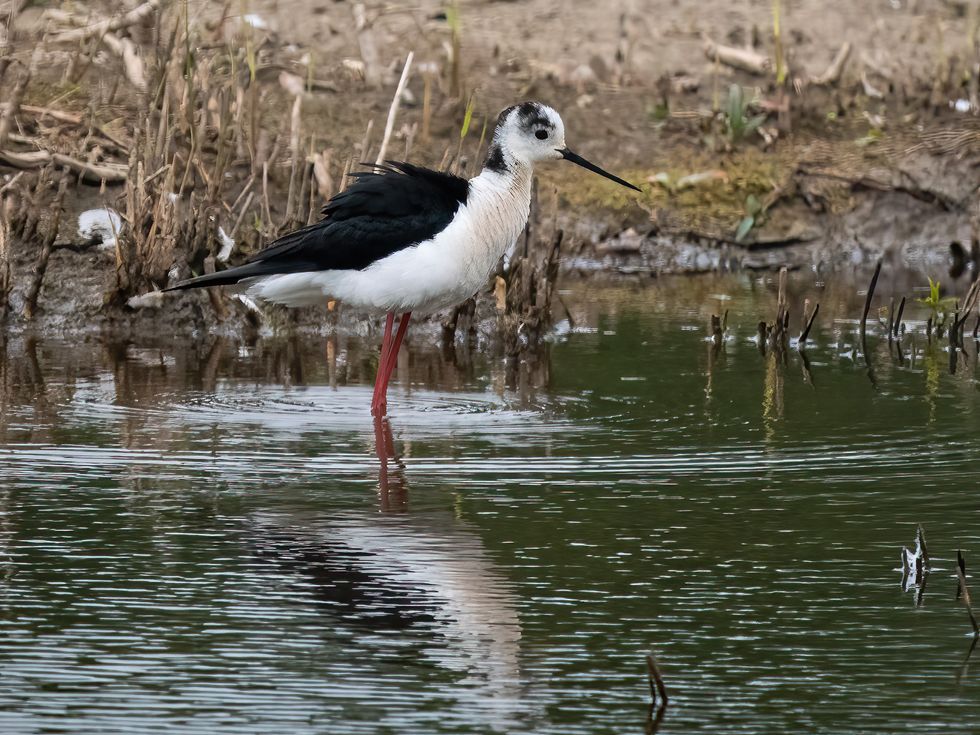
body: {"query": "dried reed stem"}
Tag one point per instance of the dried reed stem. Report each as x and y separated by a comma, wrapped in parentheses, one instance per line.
(365, 142)
(266, 211)
(367, 46)
(241, 215)
(12, 108)
(321, 172)
(34, 290)
(426, 104)
(393, 110)
(295, 155)
(5, 269)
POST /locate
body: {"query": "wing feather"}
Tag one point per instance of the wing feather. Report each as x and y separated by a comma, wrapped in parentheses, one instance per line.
(395, 206)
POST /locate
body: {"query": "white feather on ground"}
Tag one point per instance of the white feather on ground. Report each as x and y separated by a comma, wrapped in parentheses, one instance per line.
(102, 224)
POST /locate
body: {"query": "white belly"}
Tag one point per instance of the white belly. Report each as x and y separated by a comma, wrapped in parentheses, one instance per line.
(427, 277)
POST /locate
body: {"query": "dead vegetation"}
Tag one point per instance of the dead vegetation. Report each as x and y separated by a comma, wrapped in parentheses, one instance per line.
(197, 129)
(212, 156)
(525, 288)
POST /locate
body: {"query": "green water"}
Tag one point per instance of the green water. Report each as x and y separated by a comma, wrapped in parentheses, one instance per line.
(195, 537)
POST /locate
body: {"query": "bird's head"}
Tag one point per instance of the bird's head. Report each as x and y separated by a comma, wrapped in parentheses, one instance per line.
(531, 132)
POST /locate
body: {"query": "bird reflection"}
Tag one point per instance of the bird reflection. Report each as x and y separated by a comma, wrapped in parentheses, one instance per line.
(426, 573)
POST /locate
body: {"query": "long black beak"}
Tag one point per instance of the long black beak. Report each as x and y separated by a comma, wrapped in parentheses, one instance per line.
(576, 158)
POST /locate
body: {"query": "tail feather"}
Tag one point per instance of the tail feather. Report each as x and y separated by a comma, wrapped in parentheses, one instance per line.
(235, 275)
(279, 258)
(221, 278)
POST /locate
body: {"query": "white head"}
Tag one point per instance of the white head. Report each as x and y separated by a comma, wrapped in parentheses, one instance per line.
(531, 132)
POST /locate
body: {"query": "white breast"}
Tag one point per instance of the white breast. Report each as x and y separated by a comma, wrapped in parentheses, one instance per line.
(432, 275)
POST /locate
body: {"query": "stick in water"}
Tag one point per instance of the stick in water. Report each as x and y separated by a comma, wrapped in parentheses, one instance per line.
(656, 681)
(898, 317)
(869, 297)
(965, 591)
(806, 330)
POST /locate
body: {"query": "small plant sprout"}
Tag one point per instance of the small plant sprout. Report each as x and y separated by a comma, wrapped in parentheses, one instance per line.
(467, 117)
(939, 306)
(465, 129)
(755, 214)
(738, 124)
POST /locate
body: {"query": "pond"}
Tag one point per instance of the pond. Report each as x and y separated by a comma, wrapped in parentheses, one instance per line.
(200, 536)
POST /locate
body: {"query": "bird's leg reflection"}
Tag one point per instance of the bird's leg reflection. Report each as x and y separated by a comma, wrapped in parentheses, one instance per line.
(392, 490)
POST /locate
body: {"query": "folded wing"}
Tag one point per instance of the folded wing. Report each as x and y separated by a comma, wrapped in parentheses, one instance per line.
(393, 207)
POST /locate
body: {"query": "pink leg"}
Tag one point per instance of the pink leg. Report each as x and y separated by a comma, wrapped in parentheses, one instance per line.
(380, 406)
(385, 350)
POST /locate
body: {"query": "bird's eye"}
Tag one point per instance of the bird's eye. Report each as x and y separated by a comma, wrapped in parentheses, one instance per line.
(540, 134)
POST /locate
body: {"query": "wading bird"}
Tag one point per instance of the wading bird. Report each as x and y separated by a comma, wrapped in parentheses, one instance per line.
(406, 239)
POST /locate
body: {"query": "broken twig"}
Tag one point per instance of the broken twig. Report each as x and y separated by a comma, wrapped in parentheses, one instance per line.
(737, 58)
(109, 24)
(110, 173)
(897, 326)
(833, 73)
(964, 591)
(658, 692)
(809, 324)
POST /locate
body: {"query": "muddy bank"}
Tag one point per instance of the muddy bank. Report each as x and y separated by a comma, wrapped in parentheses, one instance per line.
(819, 141)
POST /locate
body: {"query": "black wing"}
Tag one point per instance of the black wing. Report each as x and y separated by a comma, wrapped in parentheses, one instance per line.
(393, 207)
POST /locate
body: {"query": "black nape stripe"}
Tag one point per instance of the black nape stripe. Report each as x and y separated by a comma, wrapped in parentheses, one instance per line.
(495, 159)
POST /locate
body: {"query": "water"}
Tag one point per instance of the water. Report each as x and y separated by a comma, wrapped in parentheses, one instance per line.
(200, 538)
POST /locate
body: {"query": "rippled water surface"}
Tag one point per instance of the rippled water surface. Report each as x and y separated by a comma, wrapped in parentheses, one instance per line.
(200, 537)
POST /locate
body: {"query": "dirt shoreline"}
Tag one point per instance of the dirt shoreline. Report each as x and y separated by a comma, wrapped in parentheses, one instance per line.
(882, 160)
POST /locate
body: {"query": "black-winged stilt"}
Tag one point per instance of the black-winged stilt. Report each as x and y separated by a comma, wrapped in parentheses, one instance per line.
(408, 239)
